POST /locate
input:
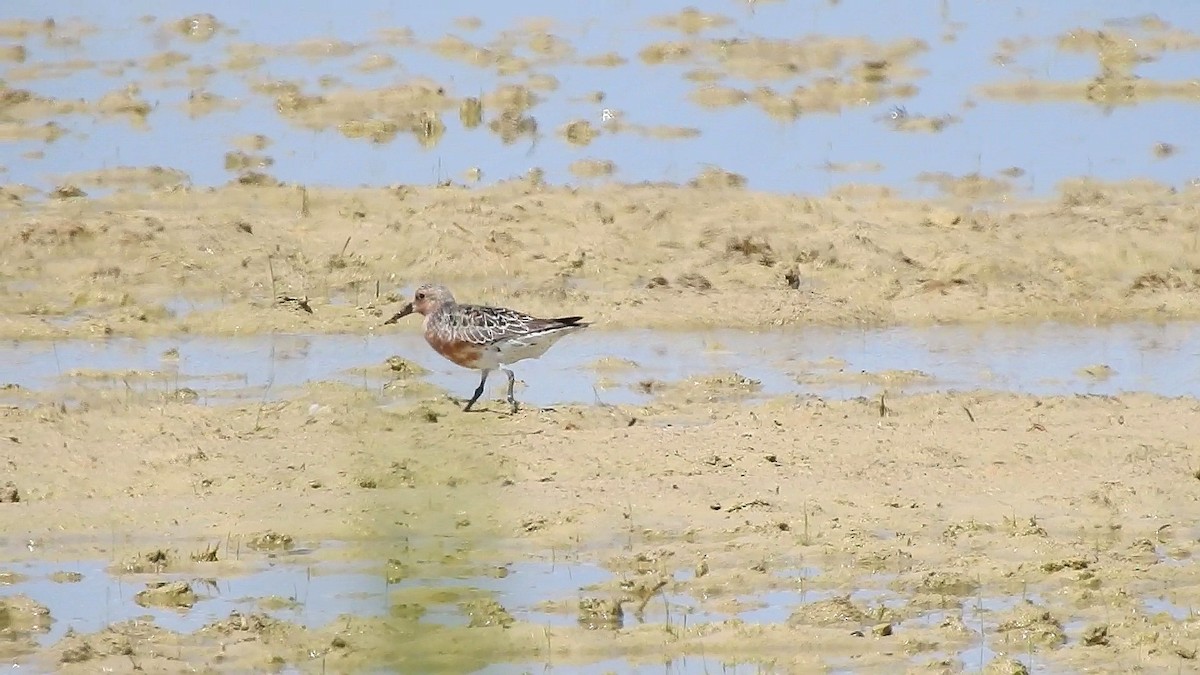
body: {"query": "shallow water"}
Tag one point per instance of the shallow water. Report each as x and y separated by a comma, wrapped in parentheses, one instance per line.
(101, 598)
(964, 49)
(321, 591)
(685, 665)
(833, 363)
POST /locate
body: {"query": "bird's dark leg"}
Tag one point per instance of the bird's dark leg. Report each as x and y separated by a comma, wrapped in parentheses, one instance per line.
(478, 392)
(512, 379)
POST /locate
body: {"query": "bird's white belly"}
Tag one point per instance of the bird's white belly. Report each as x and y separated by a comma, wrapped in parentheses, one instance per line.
(506, 352)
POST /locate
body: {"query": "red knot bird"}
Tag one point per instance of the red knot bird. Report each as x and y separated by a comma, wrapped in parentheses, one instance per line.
(484, 338)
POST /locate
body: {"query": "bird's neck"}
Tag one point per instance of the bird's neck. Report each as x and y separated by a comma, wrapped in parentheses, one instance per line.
(438, 314)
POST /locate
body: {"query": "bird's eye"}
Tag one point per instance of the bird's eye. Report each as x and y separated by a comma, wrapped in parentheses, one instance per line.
(420, 296)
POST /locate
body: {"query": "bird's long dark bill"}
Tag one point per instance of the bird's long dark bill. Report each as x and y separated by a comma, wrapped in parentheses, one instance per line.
(405, 311)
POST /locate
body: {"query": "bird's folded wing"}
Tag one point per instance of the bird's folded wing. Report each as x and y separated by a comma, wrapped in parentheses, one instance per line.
(485, 325)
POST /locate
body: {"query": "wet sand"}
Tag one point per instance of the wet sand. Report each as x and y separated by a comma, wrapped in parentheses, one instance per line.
(933, 531)
(215, 456)
(955, 520)
(627, 256)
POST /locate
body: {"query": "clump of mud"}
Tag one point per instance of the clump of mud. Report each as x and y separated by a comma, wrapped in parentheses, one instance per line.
(127, 103)
(401, 367)
(883, 378)
(592, 168)
(197, 27)
(237, 622)
(271, 541)
(485, 613)
(1028, 624)
(716, 387)
(1099, 371)
(62, 577)
(378, 115)
(579, 132)
(939, 589)
(691, 21)
(130, 178)
(612, 364)
(174, 594)
(156, 561)
(600, 614)
(714, 178)
(836, 611)
(512, 125)
(470, 112)
(1119, 53)
(22, 614)
(237, 160)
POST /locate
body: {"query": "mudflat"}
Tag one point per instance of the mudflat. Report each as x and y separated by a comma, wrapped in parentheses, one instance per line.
(163, 508)
(872, 526)
(652, 256)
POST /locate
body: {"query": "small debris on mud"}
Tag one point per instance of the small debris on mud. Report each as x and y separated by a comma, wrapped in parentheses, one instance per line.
(1005, 666)
(755, 248)
(402, 367)
(486, 613)
(1065, 564)
(599, 614)
(1095, 635)
(209, 554)
(271, 541)
(396, 572)
(67, 192)
(694, 281)
(750, 504)
(9, 493)
(532, 524)
(75, 649)
(649, 386)
(301, 303)
(793, 279)
(642, 590)
(1099, 371)
(155, 561)
(238, 622)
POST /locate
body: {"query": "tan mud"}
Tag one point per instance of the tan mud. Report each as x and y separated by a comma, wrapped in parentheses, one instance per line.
(1118, 53)
(653, 256)
(925, 533)
(932, 505)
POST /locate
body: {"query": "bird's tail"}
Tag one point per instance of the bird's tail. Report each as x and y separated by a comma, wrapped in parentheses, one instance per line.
(571, 321)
